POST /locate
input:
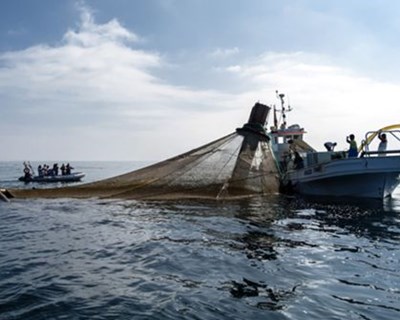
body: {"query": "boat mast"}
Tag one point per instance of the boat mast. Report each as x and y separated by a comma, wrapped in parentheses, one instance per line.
(283, 110)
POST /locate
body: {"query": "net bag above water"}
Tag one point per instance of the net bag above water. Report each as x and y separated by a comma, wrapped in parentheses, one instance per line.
(240, 164)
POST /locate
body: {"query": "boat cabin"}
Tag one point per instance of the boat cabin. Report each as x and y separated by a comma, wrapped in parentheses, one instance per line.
(288, 141)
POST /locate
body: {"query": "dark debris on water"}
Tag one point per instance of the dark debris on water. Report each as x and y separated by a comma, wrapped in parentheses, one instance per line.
(274, 297)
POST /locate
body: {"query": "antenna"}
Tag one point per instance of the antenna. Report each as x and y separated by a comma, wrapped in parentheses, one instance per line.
(281, 96)
(289, 106)
(283, 110)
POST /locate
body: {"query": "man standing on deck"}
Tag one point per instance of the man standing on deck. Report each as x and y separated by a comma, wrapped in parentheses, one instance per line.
(353, 150)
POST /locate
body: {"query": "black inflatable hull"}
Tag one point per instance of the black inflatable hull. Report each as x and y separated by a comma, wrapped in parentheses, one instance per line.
(74, 177)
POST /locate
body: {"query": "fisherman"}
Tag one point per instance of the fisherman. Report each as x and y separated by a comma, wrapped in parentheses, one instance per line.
(68, 169)
(45, 169)
(40, 170)
(55, 169)
(27, 172)
(382, 144)
(353, 151)
(293, 156)
(292, 146)
(298, 161)
(62, 168)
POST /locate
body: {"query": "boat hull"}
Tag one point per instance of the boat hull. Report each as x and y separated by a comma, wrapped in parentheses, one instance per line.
(74, 177)
(374, 177)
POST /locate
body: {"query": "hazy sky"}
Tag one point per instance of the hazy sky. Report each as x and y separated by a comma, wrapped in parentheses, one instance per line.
(146, 80)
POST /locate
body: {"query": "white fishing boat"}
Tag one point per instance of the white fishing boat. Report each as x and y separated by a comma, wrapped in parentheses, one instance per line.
(304, 170)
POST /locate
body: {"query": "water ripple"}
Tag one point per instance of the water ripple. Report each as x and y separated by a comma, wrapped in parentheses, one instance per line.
(264, 258)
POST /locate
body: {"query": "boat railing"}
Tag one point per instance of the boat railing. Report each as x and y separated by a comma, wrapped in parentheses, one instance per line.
(379, 153)
(372, 135)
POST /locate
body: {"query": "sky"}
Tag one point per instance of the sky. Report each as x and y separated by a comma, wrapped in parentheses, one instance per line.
(147, 80)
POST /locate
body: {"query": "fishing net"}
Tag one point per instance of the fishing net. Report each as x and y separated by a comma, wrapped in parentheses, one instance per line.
(240, 164)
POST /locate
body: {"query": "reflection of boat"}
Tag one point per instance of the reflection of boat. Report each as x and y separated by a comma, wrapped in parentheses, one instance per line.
(373, 174)
(73, 177)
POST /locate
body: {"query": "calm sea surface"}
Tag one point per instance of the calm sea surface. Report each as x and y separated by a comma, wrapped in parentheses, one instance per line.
(273, 257)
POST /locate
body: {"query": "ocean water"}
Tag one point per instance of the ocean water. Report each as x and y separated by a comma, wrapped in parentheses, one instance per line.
(272, 257)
